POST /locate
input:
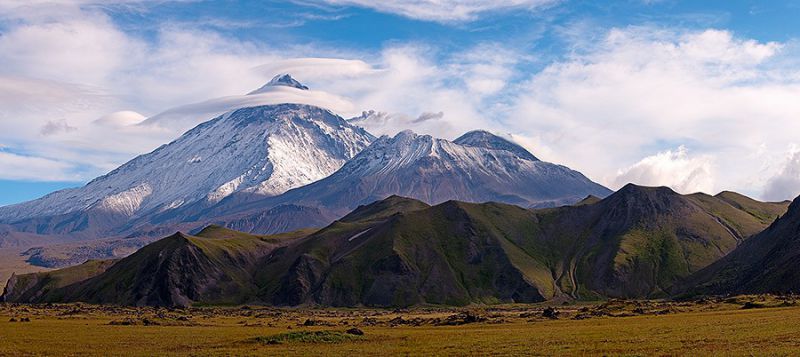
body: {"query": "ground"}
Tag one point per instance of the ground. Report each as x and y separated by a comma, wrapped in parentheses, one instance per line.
(751, 325)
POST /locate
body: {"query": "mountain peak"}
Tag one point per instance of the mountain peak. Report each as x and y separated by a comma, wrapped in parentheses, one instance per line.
(485, 139)
(285, 80)
(406, 135)
(384, 208)
(634, 189)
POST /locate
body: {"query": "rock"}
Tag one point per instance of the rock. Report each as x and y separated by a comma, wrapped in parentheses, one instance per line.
(466, 317)
(752, 305)
(551, 313)
(355, 331)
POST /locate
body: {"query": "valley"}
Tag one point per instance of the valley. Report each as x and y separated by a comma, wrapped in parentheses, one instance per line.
(13, 262)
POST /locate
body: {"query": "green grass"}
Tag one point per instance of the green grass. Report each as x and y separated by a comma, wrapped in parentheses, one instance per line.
(307, 337)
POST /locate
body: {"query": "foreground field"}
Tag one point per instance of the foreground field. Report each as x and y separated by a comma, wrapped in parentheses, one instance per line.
(740, 326)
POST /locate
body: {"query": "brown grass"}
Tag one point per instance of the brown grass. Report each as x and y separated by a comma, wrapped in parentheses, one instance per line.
(719, 327)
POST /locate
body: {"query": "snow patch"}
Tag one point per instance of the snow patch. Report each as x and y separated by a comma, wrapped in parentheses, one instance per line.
(358, 235)
(126, 202)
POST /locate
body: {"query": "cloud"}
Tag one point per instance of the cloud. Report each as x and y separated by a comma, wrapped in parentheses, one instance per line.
(445, 10)
(184, 117)
(19, 167)
(123, 118)
(786, 183)
(53, 127)
(382, 123)
(317, 69)
(67, 66)
(83, 86)
(599, 108)
(428, 116)
(675, 169)
(646, 89)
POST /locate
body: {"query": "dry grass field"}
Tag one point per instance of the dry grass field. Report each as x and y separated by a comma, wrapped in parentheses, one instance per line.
(750, 325)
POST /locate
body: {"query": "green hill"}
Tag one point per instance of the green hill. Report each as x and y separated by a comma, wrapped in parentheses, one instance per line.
(635, 243)
(766, 263)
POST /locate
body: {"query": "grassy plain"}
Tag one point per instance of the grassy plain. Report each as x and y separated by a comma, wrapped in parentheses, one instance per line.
(758, 325)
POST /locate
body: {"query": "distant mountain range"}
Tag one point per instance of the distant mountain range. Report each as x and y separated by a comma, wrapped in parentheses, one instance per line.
(274, 168)
(639, 242)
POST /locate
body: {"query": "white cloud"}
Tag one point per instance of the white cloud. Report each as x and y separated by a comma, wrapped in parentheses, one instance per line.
(636, 91)
(649, 89)
(184, 117)
(405, 82)
(445, 10)
(18, 167)
(73, 75)
(317, 69)
(675, 169)
(786, 183)
(121, 118)
(66, 67)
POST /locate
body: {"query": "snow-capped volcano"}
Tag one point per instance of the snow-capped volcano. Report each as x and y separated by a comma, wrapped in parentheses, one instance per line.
(263, 150)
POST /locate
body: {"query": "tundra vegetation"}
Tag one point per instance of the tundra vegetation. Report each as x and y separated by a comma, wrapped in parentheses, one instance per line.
(741, 325)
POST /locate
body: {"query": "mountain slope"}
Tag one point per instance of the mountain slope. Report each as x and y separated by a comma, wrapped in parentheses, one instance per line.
(214, 267)
(446, 254)
(486, 168)
(639, 241)
(484, 139)
(636, 243)
(38, 286)
(263, 151)
(766, 263)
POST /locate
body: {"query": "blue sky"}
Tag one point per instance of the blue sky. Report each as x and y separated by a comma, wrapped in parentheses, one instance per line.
(697, 95)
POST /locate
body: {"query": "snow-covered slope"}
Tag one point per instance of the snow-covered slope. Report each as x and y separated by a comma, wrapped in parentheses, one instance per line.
(433, 170)
(484, 168)
(264, 150)
(485, 139)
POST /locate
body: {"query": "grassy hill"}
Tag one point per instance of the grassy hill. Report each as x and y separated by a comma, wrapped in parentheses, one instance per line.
(635, 243)
(766, 263)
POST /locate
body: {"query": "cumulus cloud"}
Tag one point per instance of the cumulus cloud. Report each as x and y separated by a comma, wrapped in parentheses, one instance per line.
(786, 183)
(444, 11)
(643, 89)
(676, 169)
